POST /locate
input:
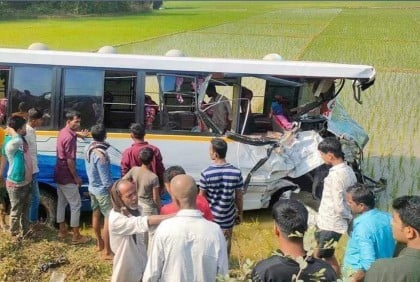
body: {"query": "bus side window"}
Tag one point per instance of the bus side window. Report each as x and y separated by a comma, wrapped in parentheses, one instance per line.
(83, 93)
(119, 99)
(32, 88)
(177, 101)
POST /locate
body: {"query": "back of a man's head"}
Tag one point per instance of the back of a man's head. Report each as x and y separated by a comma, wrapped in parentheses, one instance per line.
(331, 145)
(184, 190)
(146, 156)
(34, 114)
(408, 209)
(98, 132)
(16, 122)
(220, 147)
(137, 131)
(171, 172)
(361, 194)
(291, 217)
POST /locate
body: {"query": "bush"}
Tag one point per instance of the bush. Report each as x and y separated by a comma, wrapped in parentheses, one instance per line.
(29, 9)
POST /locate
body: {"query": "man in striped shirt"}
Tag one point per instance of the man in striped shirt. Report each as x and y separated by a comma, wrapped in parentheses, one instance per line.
(221, 183)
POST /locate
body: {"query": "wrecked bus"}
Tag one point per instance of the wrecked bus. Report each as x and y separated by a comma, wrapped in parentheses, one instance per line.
(168, 95)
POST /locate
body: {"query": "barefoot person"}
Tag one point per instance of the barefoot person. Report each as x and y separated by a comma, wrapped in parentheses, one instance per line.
(221, 184)
(67, 179)
(98, 169)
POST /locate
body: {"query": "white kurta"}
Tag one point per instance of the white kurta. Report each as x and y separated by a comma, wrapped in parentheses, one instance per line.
(334, 213)
(187, 248)
(130, 255)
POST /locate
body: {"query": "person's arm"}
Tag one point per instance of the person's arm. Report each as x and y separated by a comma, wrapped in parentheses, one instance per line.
(367, 254)
(123, 225)
(156, 219)
(156, 196)
(125, 163)
(105, 172)
(239, 204)
(3, 162)
(72, 167)
(83, 133)
(338, 197)
(202, 186)
(128, 175)
(157, 167)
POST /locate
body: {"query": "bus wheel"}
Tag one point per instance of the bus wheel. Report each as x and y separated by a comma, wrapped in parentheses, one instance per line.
(47, 208)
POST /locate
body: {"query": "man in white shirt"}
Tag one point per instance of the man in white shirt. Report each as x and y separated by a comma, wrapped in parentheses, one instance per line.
(334, 214)
(126, 231)
(34, 120)
(187, 247)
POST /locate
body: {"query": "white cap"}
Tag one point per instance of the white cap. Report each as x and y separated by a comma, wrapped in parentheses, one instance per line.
(38, 46)
(175, 53)
(107, 50)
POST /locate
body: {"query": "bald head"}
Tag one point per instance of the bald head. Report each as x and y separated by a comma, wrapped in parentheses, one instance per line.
(184, 191)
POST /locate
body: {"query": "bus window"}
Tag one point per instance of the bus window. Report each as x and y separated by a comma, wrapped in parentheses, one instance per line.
(32, 87)
(119, 99)
(83, 90)
(4, 81)
(176, 97)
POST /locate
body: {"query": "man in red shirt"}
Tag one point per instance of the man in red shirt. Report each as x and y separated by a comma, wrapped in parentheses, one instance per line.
(67, 179)
(201, 202)
(130, 156)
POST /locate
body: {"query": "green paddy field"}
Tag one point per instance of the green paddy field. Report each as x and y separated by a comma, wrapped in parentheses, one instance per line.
(384, 34)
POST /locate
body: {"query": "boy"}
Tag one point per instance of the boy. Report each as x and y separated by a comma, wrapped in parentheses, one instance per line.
(221, 183)
(147, 184)
(333, 215)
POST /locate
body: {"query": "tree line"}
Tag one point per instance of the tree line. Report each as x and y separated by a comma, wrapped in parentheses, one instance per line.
(33, 9)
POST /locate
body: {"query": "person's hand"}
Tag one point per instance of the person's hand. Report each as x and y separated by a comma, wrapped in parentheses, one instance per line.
(239, 218)
(83, 133)
(78, 181)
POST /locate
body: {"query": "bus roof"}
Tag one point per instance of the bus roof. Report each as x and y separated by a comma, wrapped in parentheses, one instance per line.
(243, 67)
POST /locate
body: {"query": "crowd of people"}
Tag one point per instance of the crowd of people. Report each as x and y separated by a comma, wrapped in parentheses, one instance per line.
(189, 239)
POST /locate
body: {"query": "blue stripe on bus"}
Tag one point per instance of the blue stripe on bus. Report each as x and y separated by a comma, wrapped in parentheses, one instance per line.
(46, 175)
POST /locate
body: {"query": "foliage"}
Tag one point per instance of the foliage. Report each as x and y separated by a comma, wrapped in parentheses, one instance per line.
(31, 9)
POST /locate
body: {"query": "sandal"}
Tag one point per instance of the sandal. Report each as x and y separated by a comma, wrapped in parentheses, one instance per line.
(80, 240)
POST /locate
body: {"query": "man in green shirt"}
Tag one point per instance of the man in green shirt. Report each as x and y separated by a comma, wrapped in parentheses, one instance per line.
(405, 229)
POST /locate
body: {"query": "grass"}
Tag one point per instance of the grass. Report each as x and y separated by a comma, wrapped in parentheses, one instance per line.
(22, 261)
(383, 34)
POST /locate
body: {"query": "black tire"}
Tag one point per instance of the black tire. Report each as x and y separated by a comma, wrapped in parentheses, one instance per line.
(47, 207)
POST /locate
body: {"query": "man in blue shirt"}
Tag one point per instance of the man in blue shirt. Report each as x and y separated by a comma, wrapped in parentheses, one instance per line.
(98, 169)
(370, 236)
